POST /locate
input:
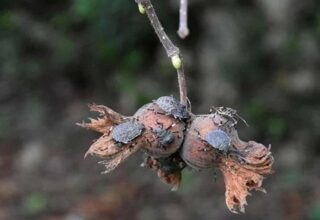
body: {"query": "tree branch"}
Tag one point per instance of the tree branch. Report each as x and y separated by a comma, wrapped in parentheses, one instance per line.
(183, 31)
(182, 87)
(172, 51)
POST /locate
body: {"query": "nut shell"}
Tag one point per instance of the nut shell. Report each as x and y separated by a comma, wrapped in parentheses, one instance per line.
(196, 151)
(163, 143)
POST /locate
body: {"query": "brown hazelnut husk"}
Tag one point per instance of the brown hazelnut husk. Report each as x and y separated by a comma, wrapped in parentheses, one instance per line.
(106, 147)
(243, 164)
(168, 169)
(161, 136)
(205, 141)
(244, 171)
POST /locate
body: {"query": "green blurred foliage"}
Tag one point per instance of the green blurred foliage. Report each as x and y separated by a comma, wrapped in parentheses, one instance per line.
(314, 212)
(35, 203)
(292, 178)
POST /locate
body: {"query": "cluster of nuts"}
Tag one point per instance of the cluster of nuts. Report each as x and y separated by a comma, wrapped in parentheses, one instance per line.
(173, 138)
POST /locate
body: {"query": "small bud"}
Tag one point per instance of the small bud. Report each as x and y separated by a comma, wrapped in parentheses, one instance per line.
(141, 8)
(176, 61)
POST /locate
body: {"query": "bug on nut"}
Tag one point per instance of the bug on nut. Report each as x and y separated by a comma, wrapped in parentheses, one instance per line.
(127, 131)
(167, 130)
(172, 107)
(219, 140)
(173, 138)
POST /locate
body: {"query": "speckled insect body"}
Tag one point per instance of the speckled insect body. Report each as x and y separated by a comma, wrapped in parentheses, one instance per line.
(219, 140)
(127, 131)
(165, 137)
(173, 107)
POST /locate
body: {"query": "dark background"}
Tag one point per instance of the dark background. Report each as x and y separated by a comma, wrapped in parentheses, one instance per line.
(259, 57)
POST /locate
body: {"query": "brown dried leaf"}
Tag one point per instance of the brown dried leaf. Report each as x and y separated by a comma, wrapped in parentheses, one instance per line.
(107, 112)
(173, 179)
(100, 125)
(245, 173)
(111, 164)
(107, 119)
(105, 147)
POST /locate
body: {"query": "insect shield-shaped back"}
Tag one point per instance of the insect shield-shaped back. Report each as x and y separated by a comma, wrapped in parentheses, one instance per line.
(126, 132)
(172, 107)
(219, 140)
(165, 121)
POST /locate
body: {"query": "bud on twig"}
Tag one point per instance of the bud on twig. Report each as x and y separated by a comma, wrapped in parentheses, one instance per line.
(141, 9)
(176, 61)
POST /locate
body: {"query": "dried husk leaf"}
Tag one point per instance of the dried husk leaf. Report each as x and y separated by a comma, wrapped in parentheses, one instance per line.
(173, 179)
(243, 172)
(104, 123)
(105, 147)
(170, 178)
(113, 154)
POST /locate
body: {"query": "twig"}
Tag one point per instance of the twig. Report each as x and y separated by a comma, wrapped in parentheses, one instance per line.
(172, 51)
(183, 87)
(183, 31)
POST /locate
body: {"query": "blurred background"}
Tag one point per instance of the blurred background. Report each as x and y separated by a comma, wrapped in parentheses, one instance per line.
(260, 57)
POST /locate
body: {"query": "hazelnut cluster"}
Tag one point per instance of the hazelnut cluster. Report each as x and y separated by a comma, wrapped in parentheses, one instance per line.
(173, 138)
